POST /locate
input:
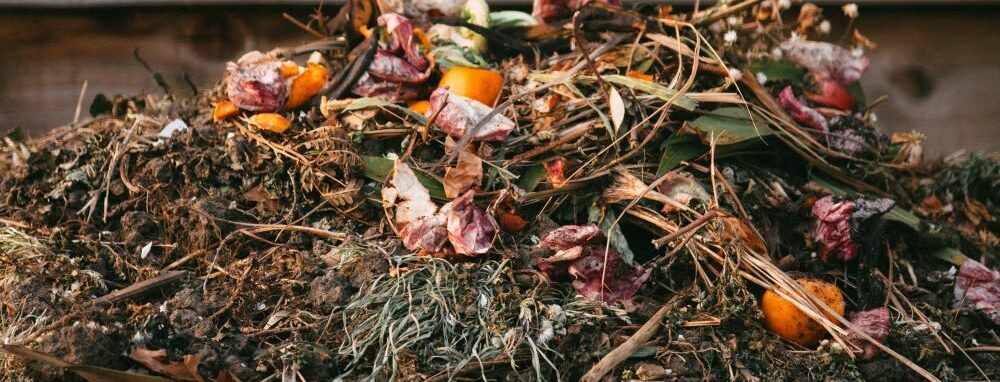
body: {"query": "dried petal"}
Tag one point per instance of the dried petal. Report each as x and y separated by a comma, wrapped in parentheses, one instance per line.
(415, 201)
(254, 82)
(468, 173)
(826, 60)
(606, 278)
(470, 229)
(874, 323)
(555, 172)
(978, 287)
(569, 236)
(460, 113)
(800, 112)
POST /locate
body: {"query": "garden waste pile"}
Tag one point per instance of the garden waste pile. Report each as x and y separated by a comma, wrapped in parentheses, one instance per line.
(434, 190)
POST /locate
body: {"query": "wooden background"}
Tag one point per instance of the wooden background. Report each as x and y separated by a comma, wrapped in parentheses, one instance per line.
(938, 65)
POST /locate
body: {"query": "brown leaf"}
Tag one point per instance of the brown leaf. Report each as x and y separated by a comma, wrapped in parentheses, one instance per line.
(155, 360)
(468, 173)
(88, 373)
(861, 40)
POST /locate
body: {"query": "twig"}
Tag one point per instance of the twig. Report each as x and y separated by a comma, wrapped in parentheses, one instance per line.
(140, 287)
(637, 340)
(703, 219)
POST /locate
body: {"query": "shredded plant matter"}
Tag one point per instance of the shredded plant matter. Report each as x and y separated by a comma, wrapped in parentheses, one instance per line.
(437, 190)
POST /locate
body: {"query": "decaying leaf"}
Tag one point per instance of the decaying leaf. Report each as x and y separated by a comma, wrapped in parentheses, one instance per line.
(470, 229)
(838, 221)
(467, 174)
(458, 114)
(254, 82)
(597, 274)
(414, 199)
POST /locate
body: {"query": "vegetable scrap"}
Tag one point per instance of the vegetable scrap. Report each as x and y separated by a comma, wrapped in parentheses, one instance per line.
(441, 190)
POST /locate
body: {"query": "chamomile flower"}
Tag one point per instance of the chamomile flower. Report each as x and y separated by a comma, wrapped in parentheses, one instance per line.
(736, 74)
(850, 10)
(729, 37)
(761, 78)
(823, 27)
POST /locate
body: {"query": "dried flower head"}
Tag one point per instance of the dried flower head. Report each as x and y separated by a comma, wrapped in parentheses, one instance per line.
(850, 10)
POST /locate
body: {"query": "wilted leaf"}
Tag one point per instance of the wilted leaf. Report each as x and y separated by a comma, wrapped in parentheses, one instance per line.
(729, 125)
(467, 174)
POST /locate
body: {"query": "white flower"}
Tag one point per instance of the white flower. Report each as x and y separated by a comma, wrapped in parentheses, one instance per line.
(729, 37)
(736, 74)
(795, 37)
(858, 52)
(823, 27)
(732, 20)
(761, 78)
(784, 4)
(851, 10)
(776, 53)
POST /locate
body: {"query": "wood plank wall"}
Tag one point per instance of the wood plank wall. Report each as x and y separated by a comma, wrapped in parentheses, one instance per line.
(939, 66)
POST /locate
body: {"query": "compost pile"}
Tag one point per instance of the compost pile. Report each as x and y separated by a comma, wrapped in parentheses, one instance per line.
(433, 191)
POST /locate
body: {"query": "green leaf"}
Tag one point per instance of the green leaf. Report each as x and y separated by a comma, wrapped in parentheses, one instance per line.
(729, 125)
(677, 149)
(858, 94)
(532, 177)
(379, 168)
(652, 88)
(618, 241)
(951, 255)
(779, 71)
(364, 103)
